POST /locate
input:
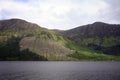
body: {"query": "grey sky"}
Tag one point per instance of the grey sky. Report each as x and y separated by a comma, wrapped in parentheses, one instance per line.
(61, 14)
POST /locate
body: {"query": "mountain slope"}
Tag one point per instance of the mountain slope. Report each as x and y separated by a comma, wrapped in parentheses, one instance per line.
(22, 40)
(40, 41)
(97, 36)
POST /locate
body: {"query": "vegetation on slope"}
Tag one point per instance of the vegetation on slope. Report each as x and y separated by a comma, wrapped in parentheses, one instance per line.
(97, 36)
(21, 40)
(10, 50)
(84, 54)
(35, 39)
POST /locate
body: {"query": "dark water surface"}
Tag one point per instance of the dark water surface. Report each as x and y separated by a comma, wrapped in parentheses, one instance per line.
(35, 70)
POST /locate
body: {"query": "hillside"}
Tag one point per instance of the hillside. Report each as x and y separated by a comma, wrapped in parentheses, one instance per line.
(98, 36)
(22, 40)
(33, 38)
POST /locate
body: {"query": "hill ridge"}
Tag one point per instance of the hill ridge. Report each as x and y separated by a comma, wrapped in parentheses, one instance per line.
(22, 40)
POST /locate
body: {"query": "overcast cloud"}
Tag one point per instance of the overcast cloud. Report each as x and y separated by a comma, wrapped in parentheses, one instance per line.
(61, 14)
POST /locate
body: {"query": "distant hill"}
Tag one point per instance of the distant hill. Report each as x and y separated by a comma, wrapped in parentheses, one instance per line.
(97, 36)
(34, 38)
(24, 41)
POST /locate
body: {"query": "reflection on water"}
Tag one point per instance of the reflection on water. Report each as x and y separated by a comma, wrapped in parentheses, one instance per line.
(59, 70)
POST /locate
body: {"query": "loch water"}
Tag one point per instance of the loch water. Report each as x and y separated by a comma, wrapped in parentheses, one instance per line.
(59, 70)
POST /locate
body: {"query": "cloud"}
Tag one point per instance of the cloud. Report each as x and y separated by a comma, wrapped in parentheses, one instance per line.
(113, 11)
(61, 14)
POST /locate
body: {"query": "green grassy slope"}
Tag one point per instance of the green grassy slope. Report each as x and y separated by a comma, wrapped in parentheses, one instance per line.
(40, 41)
(21, 40)
(97, 36)
(85, 54)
